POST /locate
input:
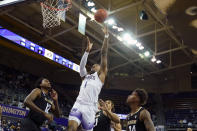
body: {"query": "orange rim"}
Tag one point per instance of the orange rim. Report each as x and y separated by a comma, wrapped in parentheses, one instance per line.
(52, 8)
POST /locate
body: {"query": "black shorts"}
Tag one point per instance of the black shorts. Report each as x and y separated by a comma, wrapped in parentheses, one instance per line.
(29, 125)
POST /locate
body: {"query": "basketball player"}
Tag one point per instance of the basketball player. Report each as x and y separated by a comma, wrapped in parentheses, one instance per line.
(105, 117)
(85, 107)
(139, 119)
(40, 101)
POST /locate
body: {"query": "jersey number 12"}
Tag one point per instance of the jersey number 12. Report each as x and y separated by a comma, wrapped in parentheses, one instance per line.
(48, 107)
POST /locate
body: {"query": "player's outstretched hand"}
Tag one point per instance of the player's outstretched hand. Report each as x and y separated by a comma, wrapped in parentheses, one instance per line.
(54, 95)
(104, 106)
(89, 45)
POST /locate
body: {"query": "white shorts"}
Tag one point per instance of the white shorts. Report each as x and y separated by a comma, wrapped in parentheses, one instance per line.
(84, 114)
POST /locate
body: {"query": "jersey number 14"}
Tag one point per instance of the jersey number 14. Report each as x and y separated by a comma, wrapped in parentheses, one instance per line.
(132, 128)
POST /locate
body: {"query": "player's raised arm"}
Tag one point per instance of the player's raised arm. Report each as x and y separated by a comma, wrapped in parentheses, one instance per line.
(55, 106)
(104, 51)
(83, 71)
(112, 116)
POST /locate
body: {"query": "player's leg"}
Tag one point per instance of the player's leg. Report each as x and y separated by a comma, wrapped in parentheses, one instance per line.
(75, 117)
(29, 125)
(88, 118)
(87, 130)
(72, 125)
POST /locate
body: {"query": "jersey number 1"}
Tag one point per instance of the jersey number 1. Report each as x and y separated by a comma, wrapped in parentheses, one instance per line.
(85, 84)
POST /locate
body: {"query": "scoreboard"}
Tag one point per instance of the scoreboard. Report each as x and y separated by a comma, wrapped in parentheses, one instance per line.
(37, 49)
(9, 2)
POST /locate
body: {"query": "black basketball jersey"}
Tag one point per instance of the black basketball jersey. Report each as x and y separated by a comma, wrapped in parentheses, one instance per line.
(44, 103)
(134, 123)
(102, 122)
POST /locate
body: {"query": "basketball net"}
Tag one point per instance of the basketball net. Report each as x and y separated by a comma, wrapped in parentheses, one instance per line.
(52, 10)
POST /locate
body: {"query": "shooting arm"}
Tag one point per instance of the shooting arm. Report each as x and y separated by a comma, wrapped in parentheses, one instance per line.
(104, 51)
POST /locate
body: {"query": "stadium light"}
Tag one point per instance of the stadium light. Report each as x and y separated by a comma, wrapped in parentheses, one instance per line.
(153, 59)
(119, 38)
(91, 4)
(126, 37)
(141, 55)
(93, 10)
(158, 61)
(111, 21)
(131, 41)
(147, 53)
(138, 44)
(120, 29)
(115, 27)
(141, 47)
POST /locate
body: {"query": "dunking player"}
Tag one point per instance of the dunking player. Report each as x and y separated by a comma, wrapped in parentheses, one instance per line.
(139, 119)
(40, 101)
(85, 107)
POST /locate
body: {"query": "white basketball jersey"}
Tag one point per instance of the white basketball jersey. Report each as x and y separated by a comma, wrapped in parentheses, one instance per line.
(112, 129)
(90, 89)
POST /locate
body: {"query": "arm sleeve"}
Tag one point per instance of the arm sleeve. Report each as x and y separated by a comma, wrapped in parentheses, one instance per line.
(83, 71)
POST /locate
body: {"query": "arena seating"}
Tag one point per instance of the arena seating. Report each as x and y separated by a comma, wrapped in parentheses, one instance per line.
(182, 110)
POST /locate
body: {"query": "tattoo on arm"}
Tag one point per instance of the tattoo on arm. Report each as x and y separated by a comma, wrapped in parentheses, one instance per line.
(104, 52)
(148, 121)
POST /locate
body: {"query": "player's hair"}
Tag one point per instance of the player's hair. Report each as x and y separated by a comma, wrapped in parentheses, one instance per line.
(38, 82)
(143, 95)
(112, 104)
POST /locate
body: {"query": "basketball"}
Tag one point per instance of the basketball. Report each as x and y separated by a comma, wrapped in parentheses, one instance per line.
(101, 15)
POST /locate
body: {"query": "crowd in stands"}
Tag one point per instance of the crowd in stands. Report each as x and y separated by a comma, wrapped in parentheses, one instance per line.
(10, 124)
(182, 110)
(13, 124)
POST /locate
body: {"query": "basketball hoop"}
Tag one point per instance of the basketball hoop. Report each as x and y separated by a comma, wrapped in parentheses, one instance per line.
(52, 10)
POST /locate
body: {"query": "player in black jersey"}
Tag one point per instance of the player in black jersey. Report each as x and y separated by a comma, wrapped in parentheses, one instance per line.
(139, 119)
(40, 101)
(105, 117)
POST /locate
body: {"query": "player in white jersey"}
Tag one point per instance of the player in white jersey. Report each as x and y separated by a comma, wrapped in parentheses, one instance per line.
(85, 107)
